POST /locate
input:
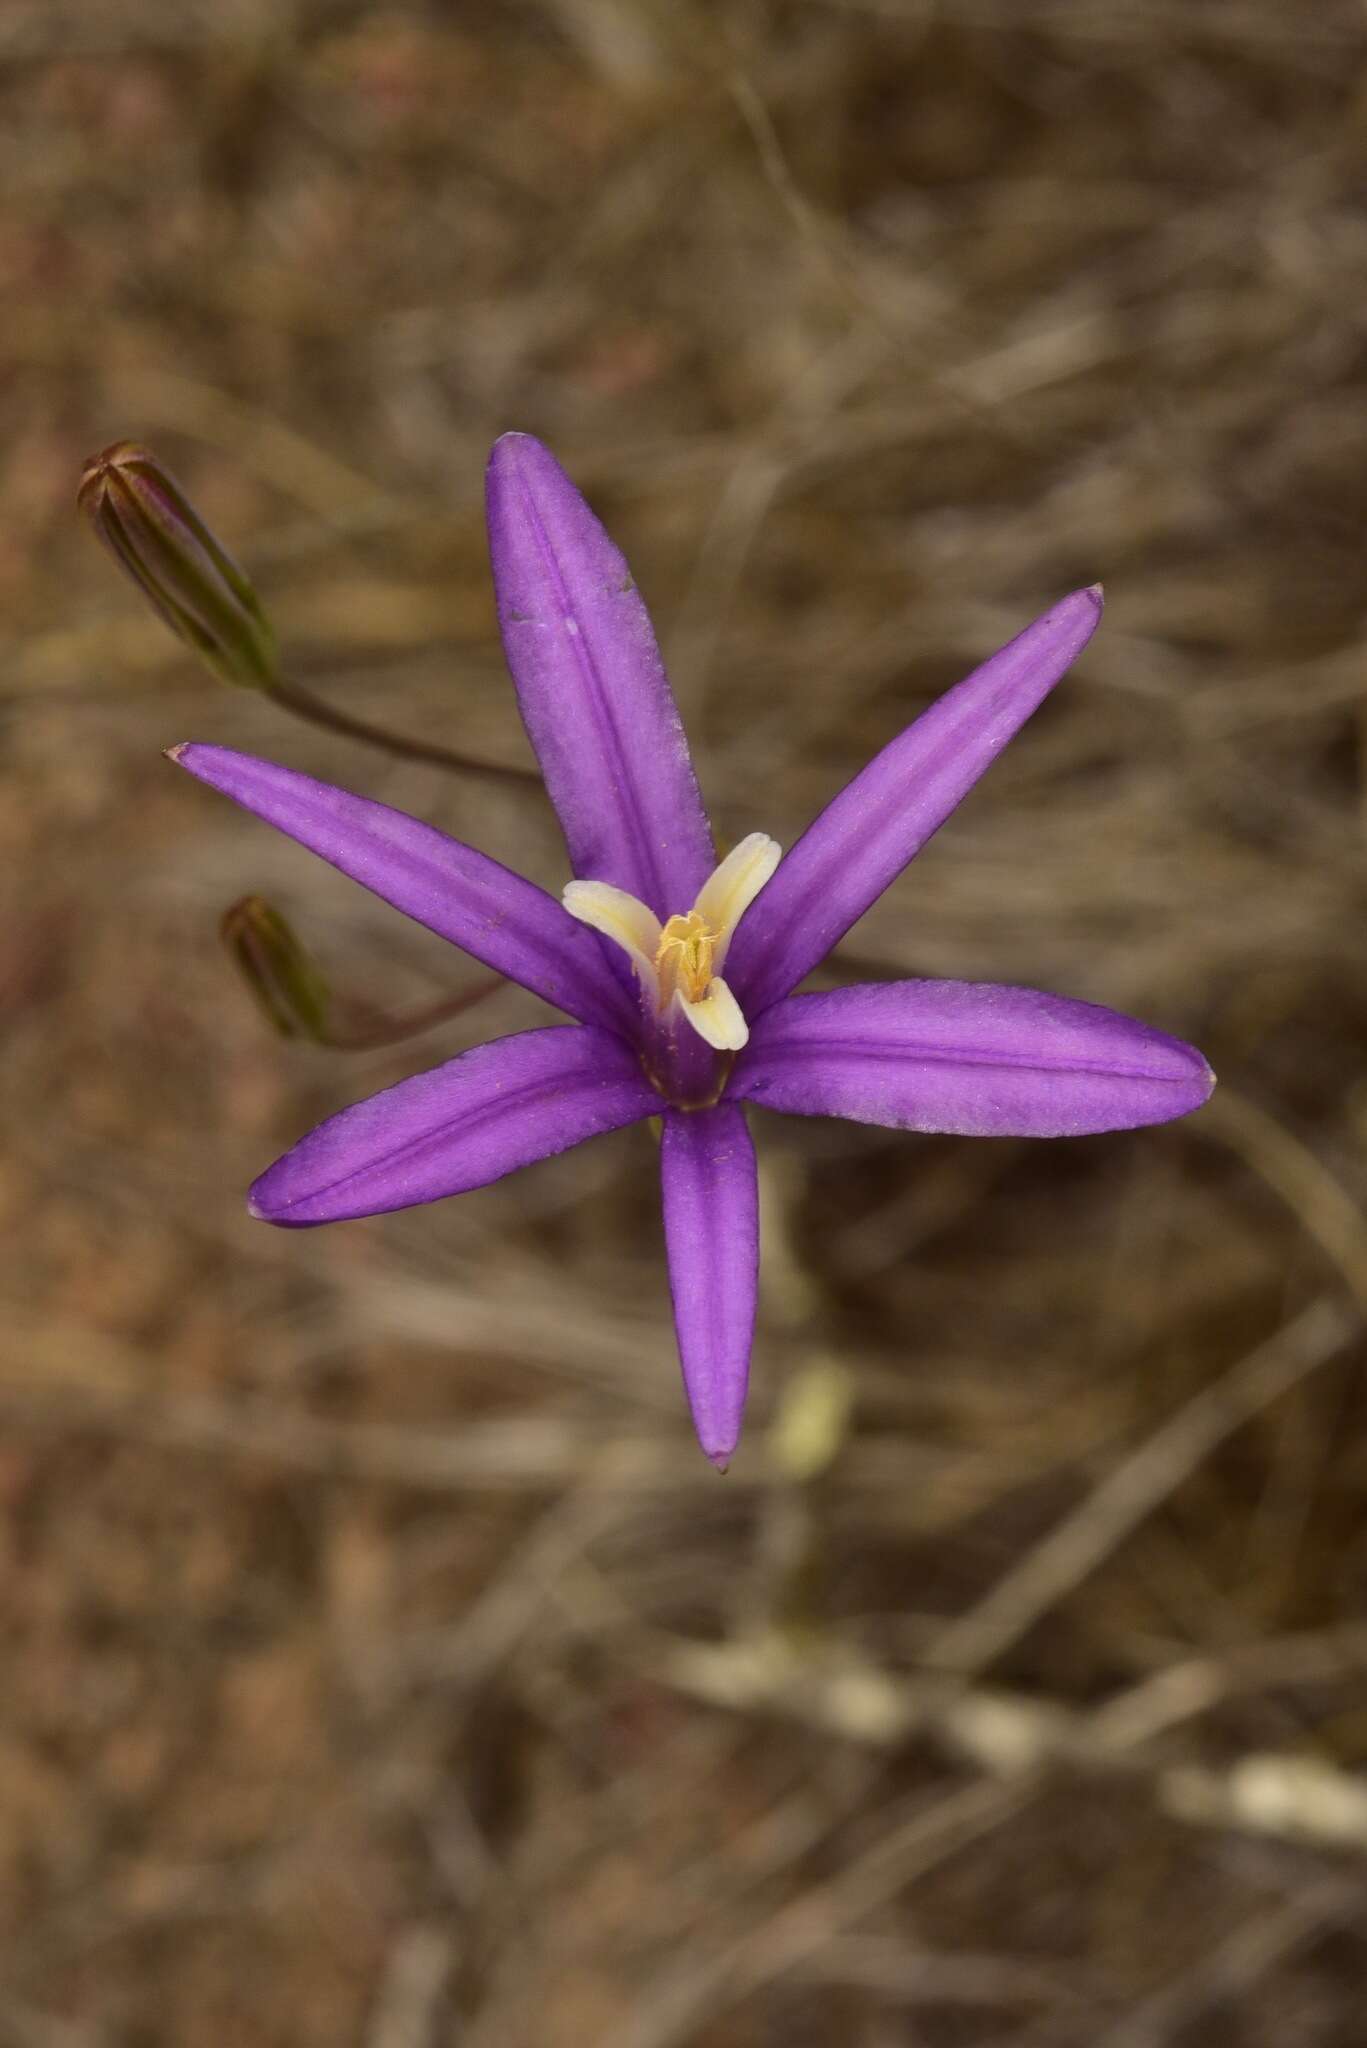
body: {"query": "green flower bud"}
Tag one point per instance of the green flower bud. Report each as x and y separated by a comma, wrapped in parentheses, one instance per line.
(157, 537)
(286, 983)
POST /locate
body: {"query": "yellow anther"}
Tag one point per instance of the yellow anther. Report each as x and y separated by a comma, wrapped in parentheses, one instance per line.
(683, 960)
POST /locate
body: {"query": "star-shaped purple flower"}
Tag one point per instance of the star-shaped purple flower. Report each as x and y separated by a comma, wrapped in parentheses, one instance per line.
(659, 1029)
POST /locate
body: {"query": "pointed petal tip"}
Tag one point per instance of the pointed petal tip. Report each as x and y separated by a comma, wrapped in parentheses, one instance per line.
(1079, 613)
(197, 757)
(1196, 1073)
(720, 1461)
(1197, 1084)
(515, 445)
(260, 1207)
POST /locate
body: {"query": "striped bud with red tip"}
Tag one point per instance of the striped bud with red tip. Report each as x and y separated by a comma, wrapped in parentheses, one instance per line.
(155, 535)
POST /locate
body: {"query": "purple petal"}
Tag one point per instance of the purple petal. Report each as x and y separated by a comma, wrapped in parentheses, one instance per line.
(465, 897)
(459, 1126)
(711, 1203)
(862, 841)
(968, 1057)
(595, 699)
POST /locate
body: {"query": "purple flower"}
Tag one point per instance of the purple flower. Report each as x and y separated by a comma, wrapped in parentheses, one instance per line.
(679, 972)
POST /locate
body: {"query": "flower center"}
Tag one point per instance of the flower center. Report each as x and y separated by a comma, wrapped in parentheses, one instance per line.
(683, 958)
(679, 963)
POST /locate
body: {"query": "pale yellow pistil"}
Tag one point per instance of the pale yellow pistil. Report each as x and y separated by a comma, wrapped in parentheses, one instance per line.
(679, 963)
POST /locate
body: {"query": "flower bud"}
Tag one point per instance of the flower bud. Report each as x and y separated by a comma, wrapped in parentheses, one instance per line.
(157, 537)
(286, 983)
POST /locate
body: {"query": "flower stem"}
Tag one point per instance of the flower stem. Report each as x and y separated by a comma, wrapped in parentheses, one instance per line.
(317, 711)
(377, 1031)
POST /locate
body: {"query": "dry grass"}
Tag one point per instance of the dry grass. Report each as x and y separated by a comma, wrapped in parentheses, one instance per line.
(383, 1665)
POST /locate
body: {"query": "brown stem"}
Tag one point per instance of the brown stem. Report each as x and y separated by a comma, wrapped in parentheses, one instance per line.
(304, 704)
(383, 1031)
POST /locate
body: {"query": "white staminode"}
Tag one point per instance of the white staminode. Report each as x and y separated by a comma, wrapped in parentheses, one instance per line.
(681, 961)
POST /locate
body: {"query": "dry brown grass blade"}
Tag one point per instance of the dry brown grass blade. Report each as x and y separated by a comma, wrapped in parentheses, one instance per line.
(1117, 1505)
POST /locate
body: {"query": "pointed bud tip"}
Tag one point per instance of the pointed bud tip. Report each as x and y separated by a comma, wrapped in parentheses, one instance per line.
(176, 753)
(96, 468)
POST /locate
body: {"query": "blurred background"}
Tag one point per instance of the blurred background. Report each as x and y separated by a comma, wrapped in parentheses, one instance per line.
(383, 1664)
